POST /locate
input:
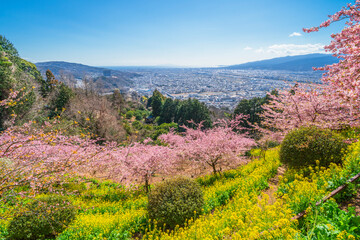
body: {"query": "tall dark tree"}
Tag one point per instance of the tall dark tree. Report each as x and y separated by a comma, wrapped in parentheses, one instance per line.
(253, 108)
(192, 109)
(117, 100)
(156, 103)
(61, 99)
(168, 111)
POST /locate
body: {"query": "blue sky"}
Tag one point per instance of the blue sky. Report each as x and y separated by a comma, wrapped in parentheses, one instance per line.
(165, 32)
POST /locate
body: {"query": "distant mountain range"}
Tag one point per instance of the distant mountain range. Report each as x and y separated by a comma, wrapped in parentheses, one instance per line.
(289, 63)
(108, 78)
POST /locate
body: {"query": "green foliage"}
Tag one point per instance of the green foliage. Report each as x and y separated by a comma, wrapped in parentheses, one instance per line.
(192, 109)
(348, 193)
(210, 179)
(138, 114)
(137, 125)
(350, 133)
(6, 84)
(304, 146)
(156, 103)
(8, 47)
(117, 100)
(129, 114)
(251, 107)
(163, 129)
(61, 99)
(157, 133)
(50, 84)
(18, 75)
(174, 201)
(180, 112)
(168, 110)
(45, 219)
(30, 69)
(105, 191)
(328, 221)
(127, 128)
(168, 126)
(269, 144)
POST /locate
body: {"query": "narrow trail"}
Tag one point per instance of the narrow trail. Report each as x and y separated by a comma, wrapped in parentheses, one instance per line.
(273, 185)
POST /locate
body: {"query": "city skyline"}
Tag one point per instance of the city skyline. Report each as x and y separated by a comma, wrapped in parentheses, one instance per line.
(165, 33)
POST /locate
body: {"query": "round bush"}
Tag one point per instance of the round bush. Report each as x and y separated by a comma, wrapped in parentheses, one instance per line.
(174, 201)
(304, 146)
(129, 114)
(44, 219)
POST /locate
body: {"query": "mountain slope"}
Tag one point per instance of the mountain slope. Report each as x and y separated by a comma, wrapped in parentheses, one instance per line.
(109, 79)
(289, 63)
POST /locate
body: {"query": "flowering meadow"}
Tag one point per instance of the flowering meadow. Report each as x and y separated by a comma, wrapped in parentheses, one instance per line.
(237, 205)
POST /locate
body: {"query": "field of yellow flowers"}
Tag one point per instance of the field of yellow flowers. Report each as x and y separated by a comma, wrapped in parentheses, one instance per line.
(236, 206)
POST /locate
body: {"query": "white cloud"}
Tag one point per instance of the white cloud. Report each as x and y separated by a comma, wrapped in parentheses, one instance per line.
(260, 50)
(295, 34)
(295, 49)
(290, 49)
(248, 48)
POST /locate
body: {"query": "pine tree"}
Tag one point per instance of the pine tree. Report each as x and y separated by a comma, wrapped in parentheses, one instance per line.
(156, 103)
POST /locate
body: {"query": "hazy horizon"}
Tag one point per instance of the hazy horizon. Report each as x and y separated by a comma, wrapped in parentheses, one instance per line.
(167, 66)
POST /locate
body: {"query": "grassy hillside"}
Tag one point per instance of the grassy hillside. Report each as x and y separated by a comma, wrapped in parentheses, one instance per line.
(237, 206)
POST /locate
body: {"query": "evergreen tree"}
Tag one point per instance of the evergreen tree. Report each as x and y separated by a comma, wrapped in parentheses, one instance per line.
(156, 103)
(251, 107)
(117, 100)
(192, 109)
(51, 80)
(8, 47)
(62, 98)
(168, 111)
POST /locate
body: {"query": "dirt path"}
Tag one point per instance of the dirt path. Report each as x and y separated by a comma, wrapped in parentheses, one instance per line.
(273, 185)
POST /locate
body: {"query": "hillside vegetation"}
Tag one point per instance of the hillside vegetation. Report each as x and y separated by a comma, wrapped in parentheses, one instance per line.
(75, 164)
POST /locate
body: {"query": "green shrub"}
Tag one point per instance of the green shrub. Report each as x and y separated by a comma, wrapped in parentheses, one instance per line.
(137, 125)
(154, 136)
(174, 201)
(138, 115)
(148, 127)
(127, 128)
(305, 146)
(129, 114)
(328, 220)
(61, 99)
(44, 219)
(270, 144)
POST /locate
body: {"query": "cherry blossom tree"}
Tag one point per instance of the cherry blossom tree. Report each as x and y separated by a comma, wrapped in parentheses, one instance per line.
(343, 77)
(335, 104)
(144, 161)
(305, 105)
(216, 147)
(33, 159)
